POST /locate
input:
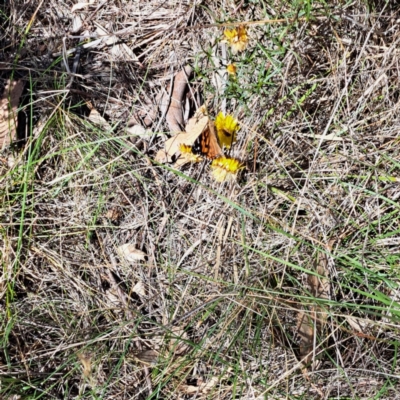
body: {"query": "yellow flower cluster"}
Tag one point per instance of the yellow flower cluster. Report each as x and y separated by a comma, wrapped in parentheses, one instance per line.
(237, 38)
(223, 168)
(226, 126)
(226, 169)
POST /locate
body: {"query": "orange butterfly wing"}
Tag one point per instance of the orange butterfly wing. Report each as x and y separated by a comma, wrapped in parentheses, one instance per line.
(207, 143)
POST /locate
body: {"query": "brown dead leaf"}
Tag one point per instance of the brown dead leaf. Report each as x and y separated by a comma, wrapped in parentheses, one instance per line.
(360, 325)
(139, 289)
(148, 357)
(320, 286)
(96, 119)
(311, 324)
(130, 253)
(8, 111)
(174, 115)
(113, 214)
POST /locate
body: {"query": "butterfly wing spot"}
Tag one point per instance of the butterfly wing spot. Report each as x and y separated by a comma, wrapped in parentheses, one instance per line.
(196, 148)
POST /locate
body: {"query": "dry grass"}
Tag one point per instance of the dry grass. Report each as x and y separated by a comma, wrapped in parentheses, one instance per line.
(212, 311)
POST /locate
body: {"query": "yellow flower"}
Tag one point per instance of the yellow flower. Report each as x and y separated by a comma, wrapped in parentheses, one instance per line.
(237, 38)
(231, 69)
(225, 169)
(226, 127)
(187, 155)
(185, 149)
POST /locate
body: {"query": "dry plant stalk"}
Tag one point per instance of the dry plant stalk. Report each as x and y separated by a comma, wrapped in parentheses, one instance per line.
(8, 111)
(310, 324)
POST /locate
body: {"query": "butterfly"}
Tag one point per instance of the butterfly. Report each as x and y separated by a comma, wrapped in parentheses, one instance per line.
(207, 143)
(199, 138)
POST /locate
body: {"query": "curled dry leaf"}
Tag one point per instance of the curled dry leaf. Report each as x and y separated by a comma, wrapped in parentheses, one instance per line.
(130, 253)
(77, 24)
(78, 6)
(305, 331)
(11, 161)
(8, 111)
(360, 325)
(174, 115)
(123, 52)
(113, 299)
